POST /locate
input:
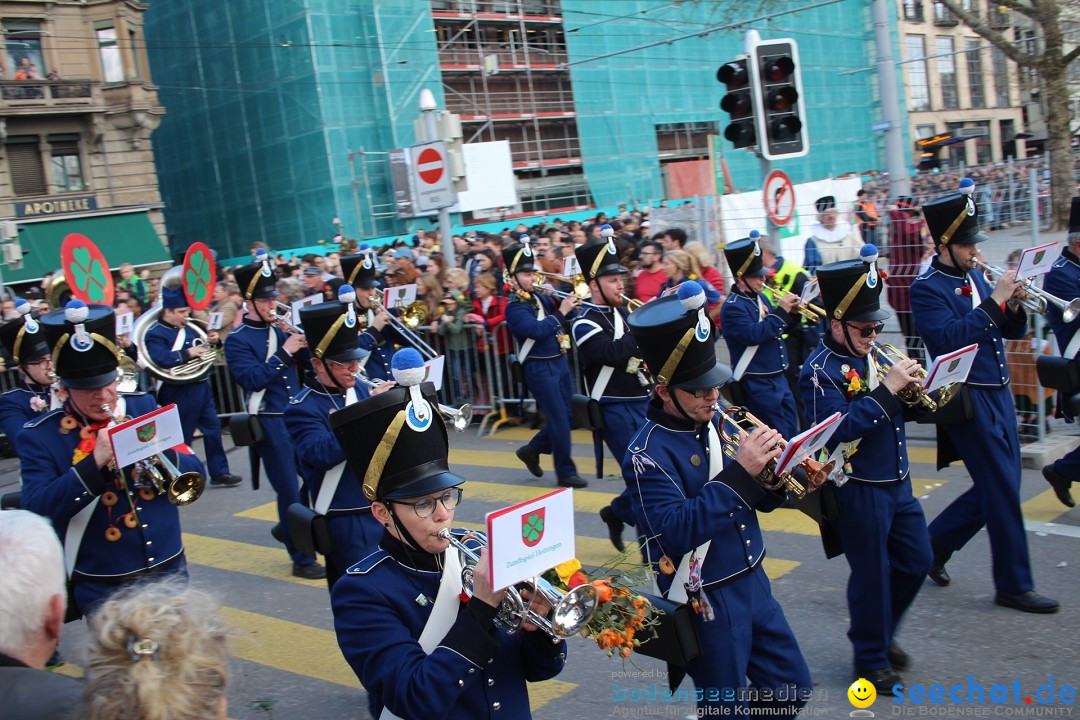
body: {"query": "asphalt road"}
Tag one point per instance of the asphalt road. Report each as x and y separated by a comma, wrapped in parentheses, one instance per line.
(287, 664)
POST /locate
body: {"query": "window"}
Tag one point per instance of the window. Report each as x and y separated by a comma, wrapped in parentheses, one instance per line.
(913, 10)
(112, 67)
(918, 89)
(136, 65)
(1001, 77)
(946, 65)
(984, 149)
(65, 165)
(975, 73)
(942, 15)
(24, 165)
(924, 131)
(22, 40)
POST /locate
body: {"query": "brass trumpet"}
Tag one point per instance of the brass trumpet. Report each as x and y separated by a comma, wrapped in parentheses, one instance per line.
(459, 418)
(886, 355)
(810, 311)
(631, 304)
(571, 611)
(1037, 299)
(166, 479)
(745, 422)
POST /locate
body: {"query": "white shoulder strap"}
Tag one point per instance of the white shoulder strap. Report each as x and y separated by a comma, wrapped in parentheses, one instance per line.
(329, 486)
(74, 535)
(604, 376)
(750, 352)
(443, 614)
(527, 346)
(1074, 345)
(255, 401)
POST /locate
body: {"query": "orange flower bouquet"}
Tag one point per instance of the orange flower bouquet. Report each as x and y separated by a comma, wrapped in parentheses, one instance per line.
(623, 618)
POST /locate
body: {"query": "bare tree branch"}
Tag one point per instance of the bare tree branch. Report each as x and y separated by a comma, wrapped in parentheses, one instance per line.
(1072, 55)
(996, 39)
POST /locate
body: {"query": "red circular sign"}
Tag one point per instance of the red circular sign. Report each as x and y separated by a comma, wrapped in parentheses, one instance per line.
(779, 197)
(86, 271)
(429, 165)
(199, 277)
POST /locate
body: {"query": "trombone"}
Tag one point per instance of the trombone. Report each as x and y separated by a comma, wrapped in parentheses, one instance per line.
(631, 304)
(744, 421)
(810, 311)
(283, 319)
(405, 331)
(571, 611)
(1037, 300)
(886, 355)
(460, 418)
(581, 288)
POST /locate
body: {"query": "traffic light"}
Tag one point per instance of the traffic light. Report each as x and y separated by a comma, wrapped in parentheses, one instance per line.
(778, 111)
(738, 103)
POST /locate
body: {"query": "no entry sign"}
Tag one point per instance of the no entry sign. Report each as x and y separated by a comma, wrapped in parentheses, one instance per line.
(433, 187)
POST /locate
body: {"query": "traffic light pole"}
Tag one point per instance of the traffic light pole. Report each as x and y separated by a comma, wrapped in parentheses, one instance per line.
(772, 229)
(899, 180)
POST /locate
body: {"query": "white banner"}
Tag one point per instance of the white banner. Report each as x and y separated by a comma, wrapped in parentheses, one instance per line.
(146, 435)
(530, 538)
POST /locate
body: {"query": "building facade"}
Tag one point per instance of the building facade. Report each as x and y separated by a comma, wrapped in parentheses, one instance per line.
(954, 79)
(76, 118)
(280, 114)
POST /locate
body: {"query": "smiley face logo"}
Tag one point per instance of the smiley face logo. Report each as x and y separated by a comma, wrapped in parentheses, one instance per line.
(861, 693)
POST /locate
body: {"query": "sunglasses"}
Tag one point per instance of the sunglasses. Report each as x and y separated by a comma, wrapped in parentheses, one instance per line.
(869, 330)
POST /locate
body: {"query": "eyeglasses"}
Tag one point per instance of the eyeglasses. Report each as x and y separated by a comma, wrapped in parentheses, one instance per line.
(702, 393)
(46, 360)
(424, 507)
(350, 365)
(869, 330)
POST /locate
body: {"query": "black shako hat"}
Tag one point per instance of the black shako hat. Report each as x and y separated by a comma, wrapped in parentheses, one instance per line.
(519, 257)
(851, 289)
(675, 337)
(744, 257)
(331, 330)
(23, 337)
(359, 270)
(83, 339)
(257, 280)
(599, 256)
(396, 441)
(954, 218)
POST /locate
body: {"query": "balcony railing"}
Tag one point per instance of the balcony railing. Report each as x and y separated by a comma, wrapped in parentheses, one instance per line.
(509, 57)
(998, 18)
(943, 17)
(511, 104)
(48, 93)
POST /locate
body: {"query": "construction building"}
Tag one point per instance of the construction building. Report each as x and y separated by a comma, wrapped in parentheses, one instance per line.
(280, 114)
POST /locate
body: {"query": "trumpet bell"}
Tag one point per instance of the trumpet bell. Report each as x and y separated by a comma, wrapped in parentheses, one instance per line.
(460, 418)
(573, 611)
(186, 489)
(415, 314)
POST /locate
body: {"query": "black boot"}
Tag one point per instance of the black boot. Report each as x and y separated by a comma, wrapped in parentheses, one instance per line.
(1060, 483)
(614, 527)
(531, 458)
(938, 573)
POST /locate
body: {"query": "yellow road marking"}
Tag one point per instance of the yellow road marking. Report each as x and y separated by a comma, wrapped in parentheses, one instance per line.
(541, 693)
(926, 455)
(524, 435)
(1044, 507)
(504, 459)
(292, 647)
(243, 557)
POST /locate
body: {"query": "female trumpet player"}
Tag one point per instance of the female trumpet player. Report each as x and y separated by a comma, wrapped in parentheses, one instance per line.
(264, 361)
(419, 648)
(954, 307)
(881, 528)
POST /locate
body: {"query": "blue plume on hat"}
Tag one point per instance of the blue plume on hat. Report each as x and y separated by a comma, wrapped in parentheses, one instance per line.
(261, 255)
(22, 306)
(408, 367)
(76, 312)
(346, 294)
(967, 186)
(364, 246)
(691, 294)
(869, 253)
(606, 230)
(754, 235)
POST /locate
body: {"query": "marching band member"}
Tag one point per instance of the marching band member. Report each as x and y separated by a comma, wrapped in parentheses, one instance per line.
(1063, 281)
(331, 330)
(24, 341)
(881, 527)
(378, 335)
(419, 648)
(753, 329)
(954, 307)
(170, 344)
(538, 328)
(263, 360)
(698, 509)
(117, 530)
(611, 363)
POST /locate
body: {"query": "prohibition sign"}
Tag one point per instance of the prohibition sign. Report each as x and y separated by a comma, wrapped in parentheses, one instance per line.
(779, 197)
(430, 166)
